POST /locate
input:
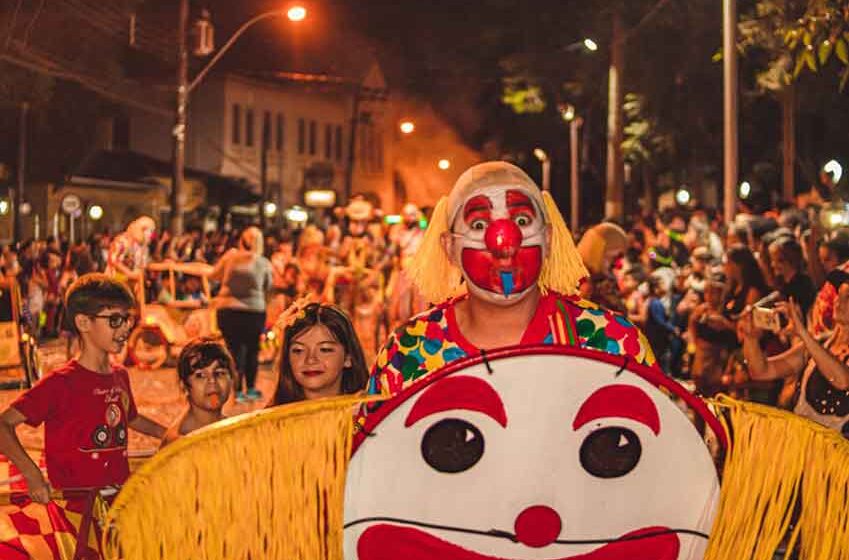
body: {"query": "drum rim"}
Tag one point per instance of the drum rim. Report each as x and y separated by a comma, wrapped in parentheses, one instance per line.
(650, 374)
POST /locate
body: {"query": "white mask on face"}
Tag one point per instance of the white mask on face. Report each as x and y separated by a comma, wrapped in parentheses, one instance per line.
(499, 242)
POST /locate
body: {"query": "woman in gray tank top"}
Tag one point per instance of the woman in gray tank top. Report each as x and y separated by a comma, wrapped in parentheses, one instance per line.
(245, 276)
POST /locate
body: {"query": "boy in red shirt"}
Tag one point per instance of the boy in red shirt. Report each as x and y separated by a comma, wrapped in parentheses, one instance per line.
(87, 404)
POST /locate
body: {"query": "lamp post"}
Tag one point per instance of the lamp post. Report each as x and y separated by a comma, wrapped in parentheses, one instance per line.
(540, 154)
(184, 87)
(729, 74)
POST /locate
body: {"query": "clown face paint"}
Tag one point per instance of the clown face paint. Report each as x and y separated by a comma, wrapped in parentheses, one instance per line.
(501, 243)
(550, 456)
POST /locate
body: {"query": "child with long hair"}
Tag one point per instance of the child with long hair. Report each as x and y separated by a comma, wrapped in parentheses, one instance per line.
(321, 354)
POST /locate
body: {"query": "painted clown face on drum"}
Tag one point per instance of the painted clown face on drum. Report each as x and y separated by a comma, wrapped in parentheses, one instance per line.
(548, 457)
(499, 242)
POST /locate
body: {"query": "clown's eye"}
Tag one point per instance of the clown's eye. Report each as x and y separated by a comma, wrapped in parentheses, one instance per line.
(479, 225)
(452, 446)
(522, 220)
(611, 452)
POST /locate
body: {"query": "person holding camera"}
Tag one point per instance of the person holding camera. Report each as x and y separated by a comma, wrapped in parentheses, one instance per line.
(822, 393)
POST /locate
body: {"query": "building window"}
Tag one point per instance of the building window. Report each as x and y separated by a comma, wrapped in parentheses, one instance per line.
(237, 124)
(266, 130)
(249, 127)
(313, 127)
(278, 137)
(328, 141)
(302, 135)
(337, 142)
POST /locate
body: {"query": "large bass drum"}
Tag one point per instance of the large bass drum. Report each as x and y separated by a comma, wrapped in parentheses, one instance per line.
(534, 453)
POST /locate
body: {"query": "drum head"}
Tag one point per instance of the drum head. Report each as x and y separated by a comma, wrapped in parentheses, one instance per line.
(534, 453)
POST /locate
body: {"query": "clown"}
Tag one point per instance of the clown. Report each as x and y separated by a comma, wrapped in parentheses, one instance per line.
(406, 238)
(502, 266)
(533, 453)
(129, 252)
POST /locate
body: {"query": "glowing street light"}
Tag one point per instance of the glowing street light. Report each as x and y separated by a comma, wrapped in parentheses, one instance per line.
(567, 111)
(745, 189)
(540, 154)
(682, 196)
(834, 169)
(4, 207)
(297, 215)
(444, 164)
(95, 212)
(590, 45)
(296, 13)
(407, 127)
(269, 209)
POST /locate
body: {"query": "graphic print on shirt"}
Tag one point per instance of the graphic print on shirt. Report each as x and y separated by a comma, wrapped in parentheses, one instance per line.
(112, 434)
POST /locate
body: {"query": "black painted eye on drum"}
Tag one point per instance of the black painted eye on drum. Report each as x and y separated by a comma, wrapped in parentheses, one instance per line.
(611, 452)
(452, 446)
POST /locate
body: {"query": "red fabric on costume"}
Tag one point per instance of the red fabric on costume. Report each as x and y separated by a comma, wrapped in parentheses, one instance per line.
(85, 416)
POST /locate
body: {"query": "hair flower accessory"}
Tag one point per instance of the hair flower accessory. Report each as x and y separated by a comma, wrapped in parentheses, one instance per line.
(295, 312)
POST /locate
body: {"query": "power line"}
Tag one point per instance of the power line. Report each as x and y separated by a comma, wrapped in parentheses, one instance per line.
(44, 65)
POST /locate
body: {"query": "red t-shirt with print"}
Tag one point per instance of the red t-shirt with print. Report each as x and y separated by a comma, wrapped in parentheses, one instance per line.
(85, 416)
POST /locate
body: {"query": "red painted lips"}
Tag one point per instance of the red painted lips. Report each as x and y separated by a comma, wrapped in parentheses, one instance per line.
(390, 542)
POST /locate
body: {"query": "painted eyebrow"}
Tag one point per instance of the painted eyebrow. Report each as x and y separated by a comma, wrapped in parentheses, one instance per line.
(619, 401)
(459, 393)
(517, 199)
(478, 203)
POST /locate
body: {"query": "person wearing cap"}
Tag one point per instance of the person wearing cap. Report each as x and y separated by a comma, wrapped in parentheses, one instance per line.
(501, 266)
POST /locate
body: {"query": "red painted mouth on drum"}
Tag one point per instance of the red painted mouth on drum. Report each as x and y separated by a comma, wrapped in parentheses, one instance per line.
(486, 271)
(389, 542)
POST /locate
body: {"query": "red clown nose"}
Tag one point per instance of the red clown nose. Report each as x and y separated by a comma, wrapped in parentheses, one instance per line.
(503, 238)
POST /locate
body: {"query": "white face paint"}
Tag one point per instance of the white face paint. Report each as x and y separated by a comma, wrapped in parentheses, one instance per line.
(548, 457)
(500, 243)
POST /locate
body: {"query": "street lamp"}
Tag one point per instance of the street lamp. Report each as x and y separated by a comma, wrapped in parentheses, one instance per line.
(834, 169)
(569, 115)
(269, 209)
(95, 212)
(586, 44)
(682, 196)
(184, 87)
(444, 164)
(745, 189)
(540, 154)
(407, 127)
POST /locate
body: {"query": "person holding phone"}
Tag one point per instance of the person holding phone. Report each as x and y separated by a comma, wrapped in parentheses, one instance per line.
(822, 392)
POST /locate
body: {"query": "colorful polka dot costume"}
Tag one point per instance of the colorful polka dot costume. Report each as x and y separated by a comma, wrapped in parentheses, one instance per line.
(432, 339)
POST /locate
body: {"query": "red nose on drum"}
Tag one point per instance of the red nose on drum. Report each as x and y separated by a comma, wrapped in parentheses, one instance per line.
(537, 452)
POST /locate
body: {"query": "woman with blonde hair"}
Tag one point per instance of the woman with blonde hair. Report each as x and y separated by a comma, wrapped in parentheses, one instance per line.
(245, 276)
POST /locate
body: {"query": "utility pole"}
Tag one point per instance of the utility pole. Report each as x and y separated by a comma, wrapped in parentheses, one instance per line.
(788, 144)
(263, 169)
(179, 131)
(352, 142)
(614, 203)
(729, 74)
(17, 227)
(575, 172)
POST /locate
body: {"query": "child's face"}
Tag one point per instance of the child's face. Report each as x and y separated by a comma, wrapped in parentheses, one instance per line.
(209, 387)
(317, 360)
(108, 330)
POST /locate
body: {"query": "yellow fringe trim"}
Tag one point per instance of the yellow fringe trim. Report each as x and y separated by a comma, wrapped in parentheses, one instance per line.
(266, 485)
(775, 460)
(562, 268)
(431, 269)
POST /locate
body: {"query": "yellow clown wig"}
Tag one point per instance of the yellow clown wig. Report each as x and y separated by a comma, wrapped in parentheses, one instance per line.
(438, 279)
